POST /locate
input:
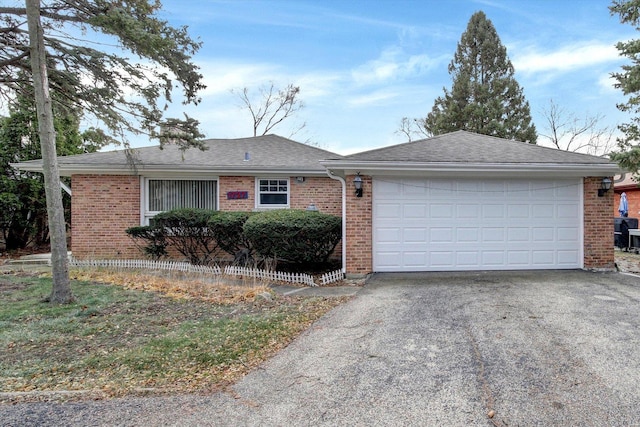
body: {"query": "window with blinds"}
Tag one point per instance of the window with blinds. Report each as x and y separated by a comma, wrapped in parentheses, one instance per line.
(167, 194)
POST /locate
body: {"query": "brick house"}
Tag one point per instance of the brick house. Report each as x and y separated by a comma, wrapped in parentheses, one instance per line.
(460, 201)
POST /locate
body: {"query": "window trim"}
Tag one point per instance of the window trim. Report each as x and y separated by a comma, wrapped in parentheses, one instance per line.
(146, 214)
(258, 205)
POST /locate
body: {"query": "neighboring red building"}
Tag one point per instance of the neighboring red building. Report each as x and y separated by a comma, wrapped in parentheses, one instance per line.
(625, 183)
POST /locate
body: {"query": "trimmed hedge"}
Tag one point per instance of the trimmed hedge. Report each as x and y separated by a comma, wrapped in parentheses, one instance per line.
(227, 227)
(188, 232)
(156, 244)
(295, 236)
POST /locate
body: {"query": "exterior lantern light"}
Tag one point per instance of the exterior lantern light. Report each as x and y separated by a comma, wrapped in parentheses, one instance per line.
(605, 186)
(357, 182)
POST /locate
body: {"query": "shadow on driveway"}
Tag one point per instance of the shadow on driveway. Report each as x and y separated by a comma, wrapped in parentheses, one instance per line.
(534, 348)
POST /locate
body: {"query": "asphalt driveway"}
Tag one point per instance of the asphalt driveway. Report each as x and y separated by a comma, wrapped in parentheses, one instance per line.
(533, 348)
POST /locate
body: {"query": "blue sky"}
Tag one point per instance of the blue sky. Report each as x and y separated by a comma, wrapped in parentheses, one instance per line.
(363, 65)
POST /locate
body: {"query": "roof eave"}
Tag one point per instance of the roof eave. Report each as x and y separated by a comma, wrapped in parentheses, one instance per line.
(473, 169)
(158, 170)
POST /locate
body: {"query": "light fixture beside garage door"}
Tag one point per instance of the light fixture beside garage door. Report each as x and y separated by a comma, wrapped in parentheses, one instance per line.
(605, 186)
(357, 182)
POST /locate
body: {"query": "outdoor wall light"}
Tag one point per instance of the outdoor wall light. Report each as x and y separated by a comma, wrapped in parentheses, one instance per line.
(357, 182)
(605, 186)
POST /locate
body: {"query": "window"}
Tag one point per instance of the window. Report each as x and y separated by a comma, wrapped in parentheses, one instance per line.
(272, 193)
(166, 194)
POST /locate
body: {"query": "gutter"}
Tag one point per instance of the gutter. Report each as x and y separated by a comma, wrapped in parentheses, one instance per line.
(344, 219)
(163, 170)
(473, 168)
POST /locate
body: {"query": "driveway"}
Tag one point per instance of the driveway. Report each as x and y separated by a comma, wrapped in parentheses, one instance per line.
(534, 348)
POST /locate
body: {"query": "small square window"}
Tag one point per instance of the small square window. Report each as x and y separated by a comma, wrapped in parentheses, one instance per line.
(272, 193)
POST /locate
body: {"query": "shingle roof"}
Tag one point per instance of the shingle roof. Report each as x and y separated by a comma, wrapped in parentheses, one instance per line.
(468, 147)
(264, 152)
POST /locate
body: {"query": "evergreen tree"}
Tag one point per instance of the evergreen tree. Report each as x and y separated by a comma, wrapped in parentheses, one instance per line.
(123, 90)
(629, 155)
(23, 218)
(485, 97)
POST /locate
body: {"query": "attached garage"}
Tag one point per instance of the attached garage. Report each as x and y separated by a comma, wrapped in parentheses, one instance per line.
(465, 201)
(471, 224)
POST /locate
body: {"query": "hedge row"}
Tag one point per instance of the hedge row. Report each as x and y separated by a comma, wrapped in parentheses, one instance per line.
(294, 236)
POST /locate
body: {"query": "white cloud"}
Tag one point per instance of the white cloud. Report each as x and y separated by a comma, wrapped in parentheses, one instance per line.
(393, 63)
(567, 58)
(371, 98)
(606, 83)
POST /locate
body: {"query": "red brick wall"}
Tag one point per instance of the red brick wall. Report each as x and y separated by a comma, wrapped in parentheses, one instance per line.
(598, 226)
(237, 183)
(359, 225)
(102, 208)
(325, 193)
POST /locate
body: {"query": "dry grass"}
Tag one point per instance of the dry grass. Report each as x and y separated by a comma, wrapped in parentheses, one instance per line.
(220, 290)
(140, 333)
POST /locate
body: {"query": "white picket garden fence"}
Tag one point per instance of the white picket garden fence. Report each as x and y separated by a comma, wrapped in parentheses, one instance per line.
(186, 267)
(232, 270)
(145, 264)
(331, 277)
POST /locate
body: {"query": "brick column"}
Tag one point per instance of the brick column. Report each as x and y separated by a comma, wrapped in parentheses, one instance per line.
(598, 226)
(359, 225)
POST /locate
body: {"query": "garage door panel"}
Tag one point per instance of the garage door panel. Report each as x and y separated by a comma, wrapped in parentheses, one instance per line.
(518, 234)
(565, 210)
(468, 259)
(568, 257)
(543, 234)
(476, 224)
(414, 211)
(468, 235)
(493, 211)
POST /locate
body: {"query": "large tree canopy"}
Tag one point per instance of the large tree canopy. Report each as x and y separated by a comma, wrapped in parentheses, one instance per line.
(485, 97)
(94, 73)
(65, 50)
(628, 80)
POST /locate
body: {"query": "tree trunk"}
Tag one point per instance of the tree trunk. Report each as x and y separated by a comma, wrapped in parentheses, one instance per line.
(61, 291)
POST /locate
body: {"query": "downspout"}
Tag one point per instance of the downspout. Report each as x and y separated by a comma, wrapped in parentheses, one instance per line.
(65, 187)
(344, 219)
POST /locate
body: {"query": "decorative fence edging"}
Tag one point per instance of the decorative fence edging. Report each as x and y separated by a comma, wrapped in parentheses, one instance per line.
(145, 264)
(186, 267)
(331, 277)
(233, 270)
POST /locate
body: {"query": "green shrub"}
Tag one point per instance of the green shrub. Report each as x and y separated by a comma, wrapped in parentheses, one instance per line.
(227, 227)
(294, 235)
(187, 230)
(156, 244)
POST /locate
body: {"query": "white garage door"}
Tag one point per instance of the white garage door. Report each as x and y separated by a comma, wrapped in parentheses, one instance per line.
(462, 224)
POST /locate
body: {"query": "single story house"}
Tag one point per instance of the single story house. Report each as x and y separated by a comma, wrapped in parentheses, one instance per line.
(459, 201)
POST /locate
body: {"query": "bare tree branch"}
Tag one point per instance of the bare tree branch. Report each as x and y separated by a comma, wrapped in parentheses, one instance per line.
(565, 131)
(274, 107)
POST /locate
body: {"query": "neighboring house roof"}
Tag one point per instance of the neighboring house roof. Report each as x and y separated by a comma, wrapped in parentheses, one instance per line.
(466, 152)
(625, 182)
(266, 154)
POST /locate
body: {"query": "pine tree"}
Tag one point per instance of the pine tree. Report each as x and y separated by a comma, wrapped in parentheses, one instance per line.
(629, 155)
(485, 97)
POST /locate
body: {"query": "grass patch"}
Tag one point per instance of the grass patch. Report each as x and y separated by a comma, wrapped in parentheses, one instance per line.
(128, 334)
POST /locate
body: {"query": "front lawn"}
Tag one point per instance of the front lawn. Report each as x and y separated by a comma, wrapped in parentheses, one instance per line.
(143, 334)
